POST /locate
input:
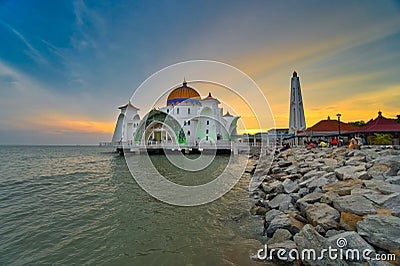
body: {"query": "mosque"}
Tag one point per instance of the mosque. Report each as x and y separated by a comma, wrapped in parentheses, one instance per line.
(186, 120)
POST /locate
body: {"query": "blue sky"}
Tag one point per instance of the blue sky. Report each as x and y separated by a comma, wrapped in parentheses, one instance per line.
(66, 65)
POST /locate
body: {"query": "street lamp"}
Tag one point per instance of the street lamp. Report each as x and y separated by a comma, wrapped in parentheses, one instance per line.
(338, 119)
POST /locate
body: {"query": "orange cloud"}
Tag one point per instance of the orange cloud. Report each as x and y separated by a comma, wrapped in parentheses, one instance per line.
(55, 123)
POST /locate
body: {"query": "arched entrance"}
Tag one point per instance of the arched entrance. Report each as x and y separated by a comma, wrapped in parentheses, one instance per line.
(158, 133)
(157, 121)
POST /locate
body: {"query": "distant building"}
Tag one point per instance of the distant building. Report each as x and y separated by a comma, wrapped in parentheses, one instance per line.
(382, 124)
(297, 121)
(330, 127)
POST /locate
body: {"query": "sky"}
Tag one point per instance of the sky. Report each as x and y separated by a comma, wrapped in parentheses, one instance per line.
(65, 66)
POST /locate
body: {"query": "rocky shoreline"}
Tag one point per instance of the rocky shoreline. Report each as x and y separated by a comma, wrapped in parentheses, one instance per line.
(311, 199)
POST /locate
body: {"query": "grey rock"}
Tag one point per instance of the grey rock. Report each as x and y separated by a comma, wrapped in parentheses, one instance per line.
(305, 182)
(288, 246)
(311, 198)
(392, 161)
(309, 239)
(293, 169)
(283, 221)
(369, 154)
(313, 173)
(331, 176)
(280, 235)
(393, 180)
(343, 187)
(356, 160)
(382, 186)
(302, 192)
(380, 199)
(333, 232)
(352, 241)
(290, 186)
(278, 200)
(304, 170)
(355, 204)
(349, 172)
(378, 263)
(317, 190)
(393, 203)
(270, 215)
(284, 206)
(276, 170)
(320, 230)
(272, 187)
(381, 231)
(328, 197)
(378, 171)
(318, 182)
(332, 163)
(323, 215)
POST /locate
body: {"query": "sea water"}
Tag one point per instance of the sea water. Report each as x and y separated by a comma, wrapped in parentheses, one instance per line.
(67, 204)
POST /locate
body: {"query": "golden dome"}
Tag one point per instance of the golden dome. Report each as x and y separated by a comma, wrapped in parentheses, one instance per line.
(181, 94)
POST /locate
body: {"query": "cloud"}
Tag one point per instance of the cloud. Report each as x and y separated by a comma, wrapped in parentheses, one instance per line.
(32, 51)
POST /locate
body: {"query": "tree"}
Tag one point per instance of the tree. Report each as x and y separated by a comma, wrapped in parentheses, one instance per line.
(398, 119)
(360, 123)
(381, 139)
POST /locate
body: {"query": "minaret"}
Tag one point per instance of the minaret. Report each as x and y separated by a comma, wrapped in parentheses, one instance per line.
(297, 120)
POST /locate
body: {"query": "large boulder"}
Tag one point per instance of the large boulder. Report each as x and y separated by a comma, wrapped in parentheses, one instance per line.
(278, 200)
(351, 241)
(356, 204)
(313, 173)
(311, 244)
(394, 204)
(343, 188)
(290, 186)
(284, 221)
(322, 214)
(270, 215)
(382, 186)
(311, 198)
(392, 162)
(381, 231)
(272, 187)
(350, 172)
(280, 235)
(318, 183)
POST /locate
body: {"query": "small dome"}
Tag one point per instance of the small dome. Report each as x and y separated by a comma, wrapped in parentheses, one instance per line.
(181, 94)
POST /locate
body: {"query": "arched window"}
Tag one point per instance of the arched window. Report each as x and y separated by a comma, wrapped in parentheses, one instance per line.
(206, 131)
(208, 122)
(188, 133)
(177, 111)
(188, 122)
(167, 110)
(188, 111)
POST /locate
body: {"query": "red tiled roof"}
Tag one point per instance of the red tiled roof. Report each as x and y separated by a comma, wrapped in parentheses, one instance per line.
(331, 125)
(381, 124)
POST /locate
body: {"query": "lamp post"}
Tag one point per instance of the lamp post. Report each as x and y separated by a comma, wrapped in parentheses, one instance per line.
(338, 119)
